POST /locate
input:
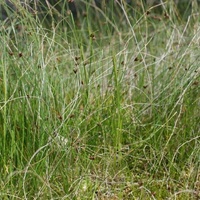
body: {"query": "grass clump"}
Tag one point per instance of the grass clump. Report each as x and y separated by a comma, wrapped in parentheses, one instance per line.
(100, 110)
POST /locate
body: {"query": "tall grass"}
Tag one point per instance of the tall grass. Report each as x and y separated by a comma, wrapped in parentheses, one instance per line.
(104, 109)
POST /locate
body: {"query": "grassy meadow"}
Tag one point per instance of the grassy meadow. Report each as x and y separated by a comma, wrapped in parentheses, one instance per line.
(105, 107)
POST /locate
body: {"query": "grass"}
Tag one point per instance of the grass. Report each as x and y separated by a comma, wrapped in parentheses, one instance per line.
(104, 109)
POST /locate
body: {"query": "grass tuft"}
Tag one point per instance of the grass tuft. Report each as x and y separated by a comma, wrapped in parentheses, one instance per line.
(101, 109)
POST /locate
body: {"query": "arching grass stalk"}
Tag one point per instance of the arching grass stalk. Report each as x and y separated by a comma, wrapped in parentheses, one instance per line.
(4, 109)
(116, 120)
